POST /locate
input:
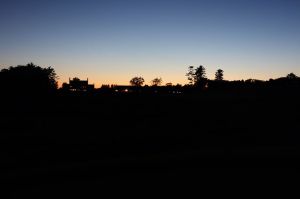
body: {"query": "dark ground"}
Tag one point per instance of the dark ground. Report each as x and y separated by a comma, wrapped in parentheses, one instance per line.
(78, 146)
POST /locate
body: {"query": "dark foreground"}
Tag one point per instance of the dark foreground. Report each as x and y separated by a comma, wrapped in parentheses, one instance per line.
(80, 146)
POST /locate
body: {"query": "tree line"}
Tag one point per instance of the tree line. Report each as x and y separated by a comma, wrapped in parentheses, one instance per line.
(31, 78)
(195, 76)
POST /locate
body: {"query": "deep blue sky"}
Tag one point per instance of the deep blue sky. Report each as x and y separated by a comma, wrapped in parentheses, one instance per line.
(111, 41)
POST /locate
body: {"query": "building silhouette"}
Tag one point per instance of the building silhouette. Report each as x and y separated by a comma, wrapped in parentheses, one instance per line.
(76, 84)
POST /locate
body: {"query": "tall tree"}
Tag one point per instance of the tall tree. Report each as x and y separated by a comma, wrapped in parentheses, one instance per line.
(191, 75)
(200, 76)
(219, 75)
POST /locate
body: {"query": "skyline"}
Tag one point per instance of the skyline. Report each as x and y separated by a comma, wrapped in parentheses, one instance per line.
(110, 42)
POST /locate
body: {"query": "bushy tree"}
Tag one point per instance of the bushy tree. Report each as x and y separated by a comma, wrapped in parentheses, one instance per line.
(137, 81)
(156, 81)
(28, 78)
(291, 76)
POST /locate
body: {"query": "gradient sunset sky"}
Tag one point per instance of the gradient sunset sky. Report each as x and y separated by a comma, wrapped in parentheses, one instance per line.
(110, 41)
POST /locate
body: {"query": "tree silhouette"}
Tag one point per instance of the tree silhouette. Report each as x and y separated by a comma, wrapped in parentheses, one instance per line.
(156, 82)
(137, 81)
(200, 76)
(200, 73)
(197, 76)
(29, 78)
(191, 75)
(291, 76)
(219, 75)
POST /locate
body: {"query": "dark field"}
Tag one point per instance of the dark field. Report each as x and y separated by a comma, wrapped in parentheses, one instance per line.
(81, 145)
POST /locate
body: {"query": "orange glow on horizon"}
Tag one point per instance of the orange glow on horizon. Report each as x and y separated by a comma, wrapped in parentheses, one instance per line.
(98, 82)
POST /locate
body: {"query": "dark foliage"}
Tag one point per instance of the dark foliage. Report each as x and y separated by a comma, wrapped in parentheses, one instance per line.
(197, 77)
(137, 81)
(156, 81)
(28, 79)
(219, 76)
(191, 75)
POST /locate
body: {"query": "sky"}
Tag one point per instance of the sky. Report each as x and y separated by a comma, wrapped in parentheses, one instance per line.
(111, 41)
